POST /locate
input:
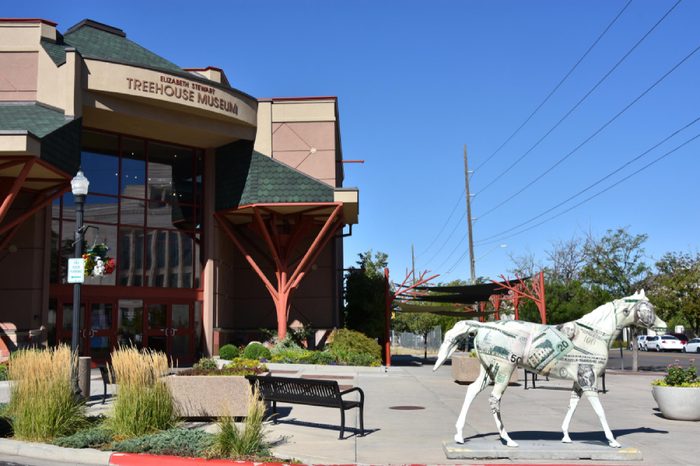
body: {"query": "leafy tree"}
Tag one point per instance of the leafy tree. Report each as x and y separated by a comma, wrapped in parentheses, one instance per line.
(615, 262)
(675, 289)
(524, 265)
(364, 294)
(567, 259)
(420, 323)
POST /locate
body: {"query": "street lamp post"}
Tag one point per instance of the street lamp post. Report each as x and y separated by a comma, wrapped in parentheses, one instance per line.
(79, 186)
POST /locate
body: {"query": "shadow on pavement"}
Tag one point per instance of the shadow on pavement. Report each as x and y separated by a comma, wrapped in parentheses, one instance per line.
(597, 435)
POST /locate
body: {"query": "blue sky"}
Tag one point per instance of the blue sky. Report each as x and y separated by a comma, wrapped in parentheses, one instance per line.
(416, 80)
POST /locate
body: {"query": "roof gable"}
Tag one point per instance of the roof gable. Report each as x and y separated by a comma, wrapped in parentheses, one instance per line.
(245, 177)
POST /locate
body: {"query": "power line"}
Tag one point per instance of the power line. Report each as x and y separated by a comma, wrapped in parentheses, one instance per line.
(592, 185)
(572, 109)
(451, 254)
(658, 159)
(551, 93)
(459, 201)
(447, 240)
(595, 133)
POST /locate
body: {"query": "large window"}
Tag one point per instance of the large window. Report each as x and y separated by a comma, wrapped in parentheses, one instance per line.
(145, 203)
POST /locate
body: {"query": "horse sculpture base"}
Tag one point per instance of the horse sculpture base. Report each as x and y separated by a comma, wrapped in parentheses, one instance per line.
(488, 449)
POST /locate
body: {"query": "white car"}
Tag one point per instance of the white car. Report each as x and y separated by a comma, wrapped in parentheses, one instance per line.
(693, 346)
(664, 343)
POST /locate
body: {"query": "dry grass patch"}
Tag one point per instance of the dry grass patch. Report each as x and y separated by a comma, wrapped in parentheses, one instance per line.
(143, 404)
(43, 404)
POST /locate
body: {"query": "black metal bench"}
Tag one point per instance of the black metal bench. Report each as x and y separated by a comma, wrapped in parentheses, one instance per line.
(108, 377)
(312, 392)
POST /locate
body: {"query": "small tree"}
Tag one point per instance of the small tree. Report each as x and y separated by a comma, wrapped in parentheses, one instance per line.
(420, 323)
(615, 262)
(364, 294)
(675, 289)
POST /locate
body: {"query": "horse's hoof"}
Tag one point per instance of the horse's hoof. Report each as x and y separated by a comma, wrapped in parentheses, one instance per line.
(511, 443)
(566, 439)
(614, 444)
(459, 439)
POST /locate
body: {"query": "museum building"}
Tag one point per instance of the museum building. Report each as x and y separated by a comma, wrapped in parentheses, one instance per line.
(213, 214)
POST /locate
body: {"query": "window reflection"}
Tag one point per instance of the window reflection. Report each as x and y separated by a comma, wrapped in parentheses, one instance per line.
(145, 198)
(133, 173)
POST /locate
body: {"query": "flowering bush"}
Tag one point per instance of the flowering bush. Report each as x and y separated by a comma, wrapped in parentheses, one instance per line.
(97, 262)
(677, 376)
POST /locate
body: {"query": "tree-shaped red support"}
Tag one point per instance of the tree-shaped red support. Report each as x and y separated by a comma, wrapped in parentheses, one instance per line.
(532, 289)
(401, 291)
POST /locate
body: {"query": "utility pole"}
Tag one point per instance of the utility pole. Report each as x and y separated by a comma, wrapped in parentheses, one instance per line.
(413, 264)
(469, 218)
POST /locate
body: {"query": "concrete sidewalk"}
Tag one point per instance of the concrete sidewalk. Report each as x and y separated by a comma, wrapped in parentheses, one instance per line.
(411, 410)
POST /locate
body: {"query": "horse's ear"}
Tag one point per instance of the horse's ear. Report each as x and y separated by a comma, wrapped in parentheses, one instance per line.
(641, 293)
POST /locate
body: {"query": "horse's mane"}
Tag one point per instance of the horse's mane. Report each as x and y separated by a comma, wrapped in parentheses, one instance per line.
(600, 317)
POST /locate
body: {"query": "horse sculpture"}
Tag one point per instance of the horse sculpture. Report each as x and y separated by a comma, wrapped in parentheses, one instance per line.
(576, 350)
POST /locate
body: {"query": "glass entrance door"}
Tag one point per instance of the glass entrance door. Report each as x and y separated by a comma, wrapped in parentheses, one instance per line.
(170, 329)
(97, 336)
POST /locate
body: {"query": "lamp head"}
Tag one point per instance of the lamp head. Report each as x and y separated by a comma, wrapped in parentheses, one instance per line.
(79, 184)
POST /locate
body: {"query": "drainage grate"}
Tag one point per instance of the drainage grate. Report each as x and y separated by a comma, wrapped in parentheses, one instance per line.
(406, 408)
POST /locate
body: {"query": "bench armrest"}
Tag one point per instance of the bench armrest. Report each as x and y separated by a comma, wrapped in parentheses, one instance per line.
(355, 389)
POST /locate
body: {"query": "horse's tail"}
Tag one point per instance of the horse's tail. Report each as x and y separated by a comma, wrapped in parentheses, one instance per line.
(451, 340)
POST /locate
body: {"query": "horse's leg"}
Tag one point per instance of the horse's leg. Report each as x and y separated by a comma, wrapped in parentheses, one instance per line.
(495, 401)
(474, 389)
(592, 396)
(573, 402)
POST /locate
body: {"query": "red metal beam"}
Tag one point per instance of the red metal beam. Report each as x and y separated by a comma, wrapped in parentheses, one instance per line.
(38, 205)
(14, 190)
(228, 229)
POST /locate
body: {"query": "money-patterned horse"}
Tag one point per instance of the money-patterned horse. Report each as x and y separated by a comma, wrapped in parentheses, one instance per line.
(576, 350)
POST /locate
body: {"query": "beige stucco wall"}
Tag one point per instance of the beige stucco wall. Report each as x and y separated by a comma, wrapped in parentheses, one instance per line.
(302, 134)
(18, 73)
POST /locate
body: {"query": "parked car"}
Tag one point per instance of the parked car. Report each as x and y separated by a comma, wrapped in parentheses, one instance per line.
(641, 343)
(681, 336)
(693, 346)
(664, 343)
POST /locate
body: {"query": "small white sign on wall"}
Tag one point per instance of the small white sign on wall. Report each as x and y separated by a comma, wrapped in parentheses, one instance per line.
(76, 270)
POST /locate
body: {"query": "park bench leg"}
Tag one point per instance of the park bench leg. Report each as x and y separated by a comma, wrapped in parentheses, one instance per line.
(104, 396)
(342, 423)
(274, 412)
(362, 421)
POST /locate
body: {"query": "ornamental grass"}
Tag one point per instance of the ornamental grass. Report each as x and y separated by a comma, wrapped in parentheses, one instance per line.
(43, 404)
(143, 404)
(243, 442)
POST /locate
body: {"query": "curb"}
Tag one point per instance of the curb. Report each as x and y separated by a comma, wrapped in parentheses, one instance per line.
(130, 459)
(43, 451)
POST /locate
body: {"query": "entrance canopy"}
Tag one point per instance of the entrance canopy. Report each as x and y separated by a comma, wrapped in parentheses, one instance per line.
(39, 151)
(274, 213)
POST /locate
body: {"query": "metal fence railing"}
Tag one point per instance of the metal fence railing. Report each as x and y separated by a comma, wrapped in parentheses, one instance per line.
(413, 341)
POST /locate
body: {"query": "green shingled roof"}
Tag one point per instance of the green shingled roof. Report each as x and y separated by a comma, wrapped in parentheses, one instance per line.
(248, 177)
(102, 45)
(35, 118)
(101, 42)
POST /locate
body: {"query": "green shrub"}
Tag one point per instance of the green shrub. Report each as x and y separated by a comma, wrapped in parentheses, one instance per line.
(677, 376)
(354, 348)
(322, 357)
(256, 351)
(206, 364)
(3, 372)
(246, 442)
(229, 352)
(177, 442)
(143, 404)
(239, 366)
(93, 437)
(42, 403)
(288, 343)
